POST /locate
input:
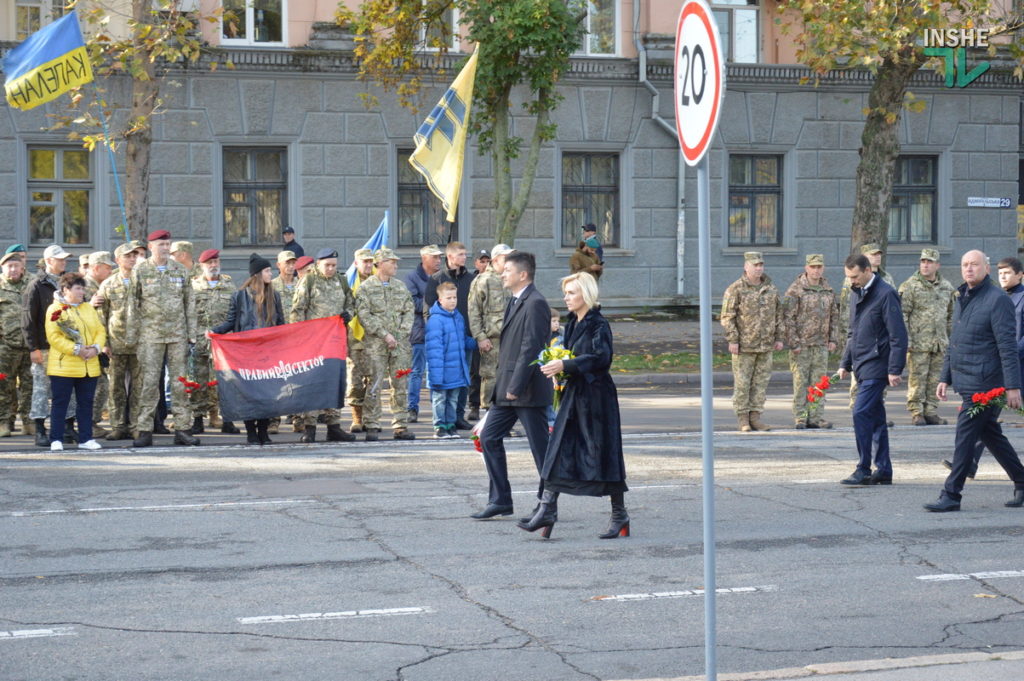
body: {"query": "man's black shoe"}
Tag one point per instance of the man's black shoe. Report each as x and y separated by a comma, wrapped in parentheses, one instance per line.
(414, 415)
(145, 439)
(859, 478)
(491, 511)
(878, 478)
(183, 437)
(404, 434)
(335, 433)
(1018, 499)
(230, 428)
(463, 424)
(308, 434)
(372, 434)
(943, 505)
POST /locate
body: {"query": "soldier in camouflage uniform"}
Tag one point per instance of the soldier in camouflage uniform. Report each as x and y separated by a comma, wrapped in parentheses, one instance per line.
(384, 308)
(752, 317)
(212, 293)
(183, 251)
(358, 364)
(162, 325)
(324, 292)
(111, 302)
(812, 331)
(927, 300)
(284, 283)
(488, 299)
(16, 389)
(100, 267)
(874, 255)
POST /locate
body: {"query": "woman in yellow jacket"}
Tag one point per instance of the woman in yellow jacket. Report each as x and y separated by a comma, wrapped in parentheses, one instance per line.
(76, 338)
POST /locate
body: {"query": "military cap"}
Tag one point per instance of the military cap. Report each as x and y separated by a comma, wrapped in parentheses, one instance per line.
(56, 251)
(814, 259)
(385, 253)
(364, 254)
(303, 262)
(182, 246)
(326, 253)
(16, 248)
(209, 254)
(868, 249)
(10, 256)
(431, 249)
(136, 245)
(158, 235)
(929, 254)
(482, 253)
(500, 249)
(589, 227)
(124, 249)
(285, 256)
(84, 259)
(101, 258)
(288, 230)
(753, 257)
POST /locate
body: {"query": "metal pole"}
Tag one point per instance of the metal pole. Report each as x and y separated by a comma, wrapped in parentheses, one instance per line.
(706, 412)
(108, 143)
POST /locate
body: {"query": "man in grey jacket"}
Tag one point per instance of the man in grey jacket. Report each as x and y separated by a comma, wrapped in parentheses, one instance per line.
(982, 355)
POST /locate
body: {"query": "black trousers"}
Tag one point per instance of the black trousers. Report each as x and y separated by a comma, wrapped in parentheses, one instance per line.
(983, 426)
(500, 420)
(474, 381)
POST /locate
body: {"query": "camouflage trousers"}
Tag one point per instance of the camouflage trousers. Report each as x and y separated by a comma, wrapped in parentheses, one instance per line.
(360, 373)
(923, 369)
(750, 374)
(204, 398)
(40, 408)
(385, 363)
(151, 359)
(488, 373)
(16, 390)
(101, 397)
(807, 367)
(125, 386)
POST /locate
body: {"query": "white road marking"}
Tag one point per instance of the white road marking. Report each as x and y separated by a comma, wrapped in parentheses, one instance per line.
(166, 507)
(632, 488)
(36, 633)
(346, 614)
(686, 593)
(998, 574)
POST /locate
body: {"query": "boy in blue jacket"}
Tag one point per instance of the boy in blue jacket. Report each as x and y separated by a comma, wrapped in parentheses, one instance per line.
(446, 347)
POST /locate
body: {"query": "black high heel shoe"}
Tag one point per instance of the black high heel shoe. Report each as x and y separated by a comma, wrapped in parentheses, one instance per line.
(545, 517)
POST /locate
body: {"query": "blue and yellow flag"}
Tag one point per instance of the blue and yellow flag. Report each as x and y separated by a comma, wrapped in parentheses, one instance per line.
(50, 62)
(441, 140)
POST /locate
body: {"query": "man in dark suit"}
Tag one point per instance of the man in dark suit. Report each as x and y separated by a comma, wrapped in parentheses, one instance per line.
(876, 352)
(982, 355)
(521, 392)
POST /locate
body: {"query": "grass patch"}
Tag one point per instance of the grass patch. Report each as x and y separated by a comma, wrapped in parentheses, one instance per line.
(684, 362)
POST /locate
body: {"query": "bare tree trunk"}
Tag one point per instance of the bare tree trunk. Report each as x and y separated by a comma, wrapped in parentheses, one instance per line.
(880, 148)
(502, 175)
(139, 137)
(515, 214)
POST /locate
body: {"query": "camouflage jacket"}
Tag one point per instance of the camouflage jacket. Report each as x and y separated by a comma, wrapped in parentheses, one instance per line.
(927, 312)
(752, 315)
(317, 296)
(384, 309)
(287, 293)
(811, 314)
(114, 312)
(11, 305)
(844, 301)
(161, 305)
(212, 306)
(487, 302)
(91, 287)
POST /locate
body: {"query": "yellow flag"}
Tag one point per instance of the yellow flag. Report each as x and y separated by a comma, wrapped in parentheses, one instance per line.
(50, 62)
(441, 140)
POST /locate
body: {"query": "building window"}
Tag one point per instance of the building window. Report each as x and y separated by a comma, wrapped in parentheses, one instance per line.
(912, 216)
(421, 217)
(253, 22)
(59, 195)
(600, 36)
(755, 200)
(442, 33)
(738, 25)
(32, 15)
(590, 194)
(255, 196)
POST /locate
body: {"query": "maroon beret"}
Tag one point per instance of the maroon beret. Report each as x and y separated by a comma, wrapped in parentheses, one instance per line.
(303, 262)
(209, 254)
(158, 235)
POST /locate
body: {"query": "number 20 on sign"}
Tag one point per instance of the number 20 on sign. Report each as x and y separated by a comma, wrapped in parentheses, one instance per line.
(699, 79)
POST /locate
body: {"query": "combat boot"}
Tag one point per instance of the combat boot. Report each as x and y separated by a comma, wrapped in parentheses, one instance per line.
(197, 425)
(70, 434)
(371, 434)
(918, 420)
(42, 436)
(335, 433)
(5, 430)
(215, 420)
(309, 435)
(28, 427)
(145, 439)
(756, 423)
(744, 422)
(183, 437)
(228, 427)
(357, 420)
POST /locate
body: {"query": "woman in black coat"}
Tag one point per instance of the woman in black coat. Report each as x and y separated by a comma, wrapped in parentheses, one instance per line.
(584, 455)
(255, 305)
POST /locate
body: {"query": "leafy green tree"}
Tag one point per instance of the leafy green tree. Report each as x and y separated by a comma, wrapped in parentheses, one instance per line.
(522, 43)
(883, 37)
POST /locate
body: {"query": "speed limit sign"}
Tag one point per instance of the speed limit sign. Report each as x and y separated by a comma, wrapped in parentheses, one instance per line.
(699, 79)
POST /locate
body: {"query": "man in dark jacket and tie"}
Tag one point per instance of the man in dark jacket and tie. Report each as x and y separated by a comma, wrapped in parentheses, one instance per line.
(521, 392)
(876, 352)
(982, 355)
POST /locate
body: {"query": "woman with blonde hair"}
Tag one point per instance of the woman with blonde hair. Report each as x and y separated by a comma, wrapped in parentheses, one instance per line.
(584, 454)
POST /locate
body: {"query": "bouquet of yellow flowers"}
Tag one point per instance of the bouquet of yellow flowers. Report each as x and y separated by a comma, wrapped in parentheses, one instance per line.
(552, 352)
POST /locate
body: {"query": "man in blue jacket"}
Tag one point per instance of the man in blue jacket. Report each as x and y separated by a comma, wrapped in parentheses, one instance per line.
(982, 355)
(876, 352)
(416, 282)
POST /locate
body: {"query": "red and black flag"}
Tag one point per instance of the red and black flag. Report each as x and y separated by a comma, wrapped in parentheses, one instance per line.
(281, 370)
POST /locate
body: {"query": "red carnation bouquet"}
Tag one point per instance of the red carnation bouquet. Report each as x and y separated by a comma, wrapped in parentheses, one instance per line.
(402, 372)
(816, 393)
(996, 397)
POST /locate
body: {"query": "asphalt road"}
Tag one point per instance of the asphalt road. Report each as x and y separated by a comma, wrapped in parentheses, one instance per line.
(359, 562)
